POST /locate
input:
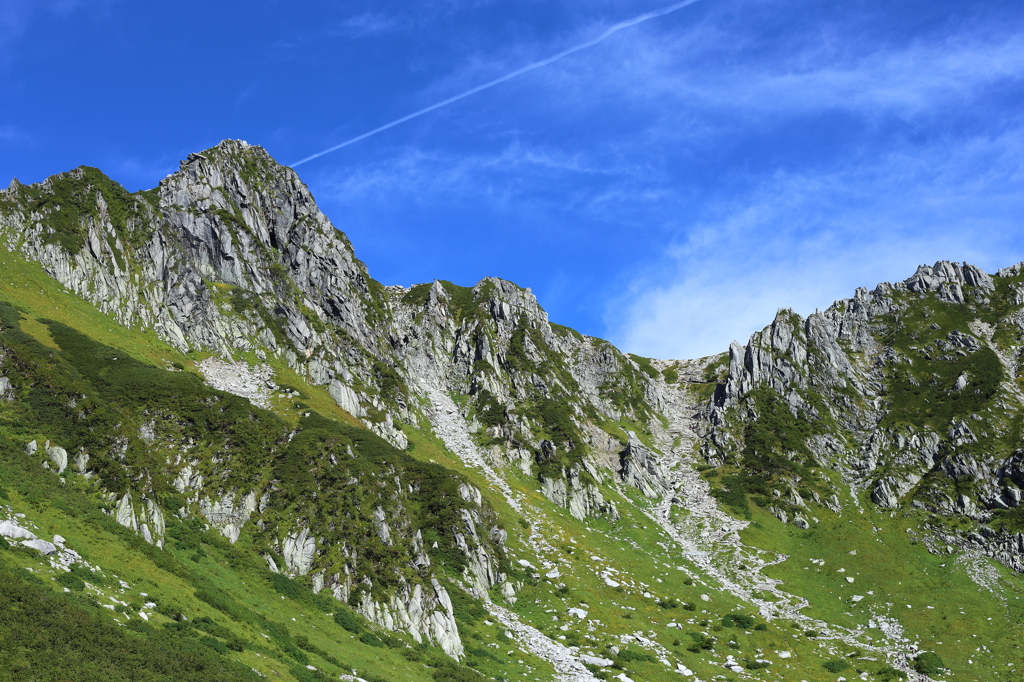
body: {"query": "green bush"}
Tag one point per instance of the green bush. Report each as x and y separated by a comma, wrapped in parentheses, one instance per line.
(737, 620)
(87, 574)
(304, 674)
(836, 666)
(928, 663)
(70, 581)
(701, 642)
(214, 644)
(452, 672)
(27, 575)
(371, 639)
(348, 620)
(890, 674)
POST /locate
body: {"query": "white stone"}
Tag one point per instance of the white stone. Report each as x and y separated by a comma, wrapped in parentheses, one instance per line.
(42, 546)
(9, 529)
(58, 455)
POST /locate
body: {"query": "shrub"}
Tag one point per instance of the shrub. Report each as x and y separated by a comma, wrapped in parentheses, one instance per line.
(86, 574)
(890, 674)
(371, 639)
(304, 674)
(27, 575)
(452, 672)
(701, 642)
(928, 663)
(216, 645)
(836, 666)
(347, 620)
(70, 581)
(737, 620)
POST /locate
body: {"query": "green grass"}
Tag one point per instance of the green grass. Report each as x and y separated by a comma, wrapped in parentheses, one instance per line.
(948, 612)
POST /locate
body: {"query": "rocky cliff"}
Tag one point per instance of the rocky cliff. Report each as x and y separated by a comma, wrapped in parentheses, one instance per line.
(230, 255)
(909, 392)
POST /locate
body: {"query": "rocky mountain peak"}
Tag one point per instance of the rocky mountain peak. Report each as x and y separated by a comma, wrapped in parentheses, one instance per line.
(513, 458)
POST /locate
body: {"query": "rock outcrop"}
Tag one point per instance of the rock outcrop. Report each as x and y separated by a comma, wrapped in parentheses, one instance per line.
(907, 390)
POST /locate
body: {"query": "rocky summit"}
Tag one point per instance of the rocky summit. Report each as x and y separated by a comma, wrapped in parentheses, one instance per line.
(228, 453)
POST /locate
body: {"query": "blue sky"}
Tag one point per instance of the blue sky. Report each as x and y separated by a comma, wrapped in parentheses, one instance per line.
(668, 188)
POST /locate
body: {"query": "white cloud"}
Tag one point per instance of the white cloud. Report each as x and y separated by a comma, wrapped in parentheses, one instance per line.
(805, 240)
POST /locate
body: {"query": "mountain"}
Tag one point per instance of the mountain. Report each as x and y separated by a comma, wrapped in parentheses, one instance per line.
(219, 433)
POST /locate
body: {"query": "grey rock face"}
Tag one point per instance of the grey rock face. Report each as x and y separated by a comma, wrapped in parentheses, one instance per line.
(299, 550)
(148, 522)
(227, 516)
(234, 255)
(641, 469)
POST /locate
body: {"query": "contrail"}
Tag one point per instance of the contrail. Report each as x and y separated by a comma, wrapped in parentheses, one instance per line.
(615, 28)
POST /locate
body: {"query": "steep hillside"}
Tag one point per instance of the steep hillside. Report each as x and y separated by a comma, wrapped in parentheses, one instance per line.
(219, 431)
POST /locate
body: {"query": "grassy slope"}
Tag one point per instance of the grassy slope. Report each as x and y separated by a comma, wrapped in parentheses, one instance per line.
(933, 597)
(42, 496)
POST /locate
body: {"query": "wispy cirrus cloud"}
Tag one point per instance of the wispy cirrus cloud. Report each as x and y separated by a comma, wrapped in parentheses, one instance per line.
(367, 24)
(415, 172)
(710, 68)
